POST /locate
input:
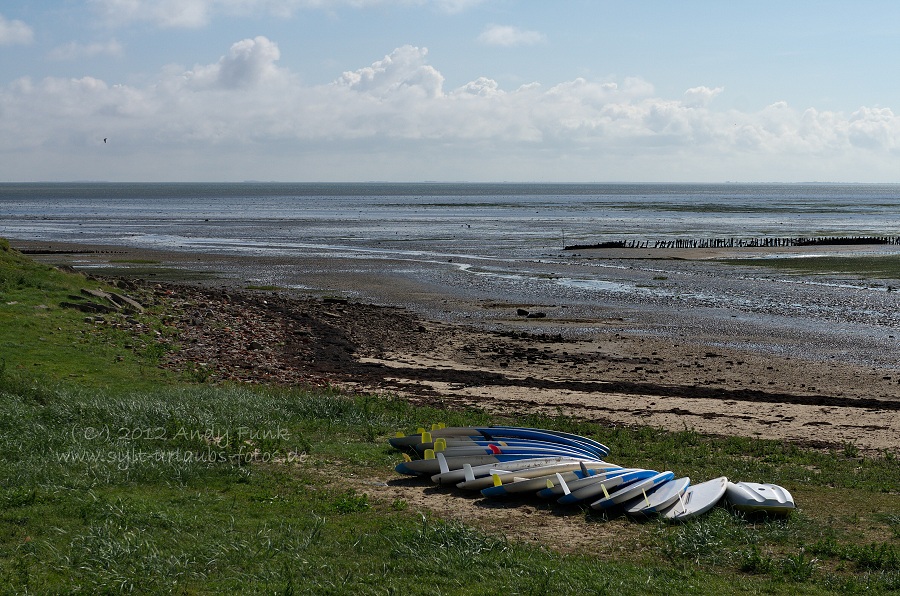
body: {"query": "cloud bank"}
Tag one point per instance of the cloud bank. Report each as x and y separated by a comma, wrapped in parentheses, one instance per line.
(243, 116)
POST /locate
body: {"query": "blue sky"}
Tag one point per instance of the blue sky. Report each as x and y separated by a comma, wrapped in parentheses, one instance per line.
(456, 90)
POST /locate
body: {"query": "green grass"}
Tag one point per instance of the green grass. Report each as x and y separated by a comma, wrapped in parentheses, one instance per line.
(57, 344)
(114, 484)
(875, 267)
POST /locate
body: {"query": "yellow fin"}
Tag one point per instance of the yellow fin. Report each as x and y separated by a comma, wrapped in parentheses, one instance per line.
(406, 457)
(399, 434)
(435, 426)
(605, 493)
(440, 444)
(426, 437)
(549, 483)
(420, 430)
(429, 454)
(646, 500)
(497, 480)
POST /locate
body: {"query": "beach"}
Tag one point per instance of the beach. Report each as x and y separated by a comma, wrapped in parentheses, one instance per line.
(380, 327)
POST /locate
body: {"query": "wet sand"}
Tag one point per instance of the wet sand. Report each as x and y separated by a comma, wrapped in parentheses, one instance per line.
(434, 335)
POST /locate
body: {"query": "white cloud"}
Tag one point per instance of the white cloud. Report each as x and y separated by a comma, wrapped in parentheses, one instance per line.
(874, 128)
(243, 110)
(509, 36)
(76, 51)
(457, 6)
(164, 13)
(248, 62)
(403, 70)
(14, 32)
(481, 87)
(193, 14)
(701, 96)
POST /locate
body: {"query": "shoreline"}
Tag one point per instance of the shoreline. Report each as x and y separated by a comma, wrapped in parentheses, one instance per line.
(484, 354)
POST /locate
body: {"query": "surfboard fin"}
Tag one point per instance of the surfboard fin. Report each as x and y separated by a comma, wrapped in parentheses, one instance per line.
(562, 483)
(429, 454)
(442, 462)
(467, 470)
(497, 480)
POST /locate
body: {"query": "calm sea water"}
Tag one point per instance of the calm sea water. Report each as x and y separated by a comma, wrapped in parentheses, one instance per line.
(493, 220)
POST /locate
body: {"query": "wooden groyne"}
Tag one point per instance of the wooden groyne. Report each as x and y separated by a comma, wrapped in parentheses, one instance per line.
(755, 242)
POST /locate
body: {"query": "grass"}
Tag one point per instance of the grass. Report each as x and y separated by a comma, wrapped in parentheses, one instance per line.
(145, 483)
(876, 267)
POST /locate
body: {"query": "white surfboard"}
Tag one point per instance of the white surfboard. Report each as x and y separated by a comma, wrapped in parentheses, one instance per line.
(503, 475)
(604, 487)
(458, 475)
(696, 500)
(632, 490)
(524, 484)
(657, 498)
(559, 488)
(752, 497)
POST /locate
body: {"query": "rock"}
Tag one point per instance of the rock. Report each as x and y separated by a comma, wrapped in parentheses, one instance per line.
(126, 302)
(96, 294)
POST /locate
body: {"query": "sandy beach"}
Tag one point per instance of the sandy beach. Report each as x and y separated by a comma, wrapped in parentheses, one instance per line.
(383, 332)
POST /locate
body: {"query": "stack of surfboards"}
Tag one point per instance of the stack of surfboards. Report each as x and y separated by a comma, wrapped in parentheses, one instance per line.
(500, 461)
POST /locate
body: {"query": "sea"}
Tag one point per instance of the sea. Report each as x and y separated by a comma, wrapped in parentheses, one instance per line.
(504, 242)
(508, 220)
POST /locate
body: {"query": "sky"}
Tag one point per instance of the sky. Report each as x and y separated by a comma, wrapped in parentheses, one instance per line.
(450, 90)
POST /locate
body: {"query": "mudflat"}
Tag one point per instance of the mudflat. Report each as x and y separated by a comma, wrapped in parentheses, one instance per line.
(377, 331)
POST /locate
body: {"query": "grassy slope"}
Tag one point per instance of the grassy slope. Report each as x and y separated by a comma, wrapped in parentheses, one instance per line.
(118, 477)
